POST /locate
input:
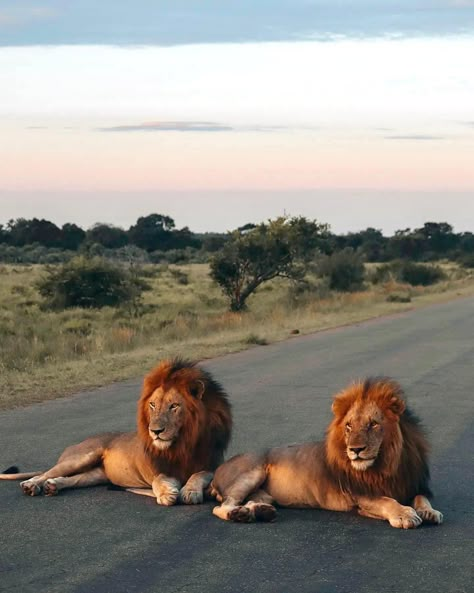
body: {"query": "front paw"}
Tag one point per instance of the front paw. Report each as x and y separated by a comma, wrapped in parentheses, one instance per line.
(189, 496)
(407, 518)
(167, 494)
(430, 516)
(50, 487)
(31, 487)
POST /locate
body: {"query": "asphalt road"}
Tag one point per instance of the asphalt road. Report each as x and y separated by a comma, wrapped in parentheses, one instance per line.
(97, 540)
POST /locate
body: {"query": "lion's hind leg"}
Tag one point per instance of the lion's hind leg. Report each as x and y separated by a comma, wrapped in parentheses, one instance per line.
(93, 477)
(258, 507)
(236, 481)
(425, 511)
(68, 465)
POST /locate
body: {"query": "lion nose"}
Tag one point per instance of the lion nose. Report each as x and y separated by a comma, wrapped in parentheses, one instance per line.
(357, 450)
(157, 431)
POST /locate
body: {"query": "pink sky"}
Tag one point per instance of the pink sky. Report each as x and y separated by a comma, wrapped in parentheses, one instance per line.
(390, 115)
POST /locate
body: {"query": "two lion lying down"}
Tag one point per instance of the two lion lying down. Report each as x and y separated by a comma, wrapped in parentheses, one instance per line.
(373, 459)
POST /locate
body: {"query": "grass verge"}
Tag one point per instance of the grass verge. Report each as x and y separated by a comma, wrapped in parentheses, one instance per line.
(44, 354)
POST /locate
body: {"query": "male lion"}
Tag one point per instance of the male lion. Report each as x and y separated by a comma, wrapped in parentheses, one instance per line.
(373, 460)
(184, 426)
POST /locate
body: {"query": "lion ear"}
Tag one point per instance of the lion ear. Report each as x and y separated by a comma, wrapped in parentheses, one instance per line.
(197, 389)
(396, 405)
(340, 405)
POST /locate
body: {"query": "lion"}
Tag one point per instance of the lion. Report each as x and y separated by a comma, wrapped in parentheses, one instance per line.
(184, 425)
(373, 460)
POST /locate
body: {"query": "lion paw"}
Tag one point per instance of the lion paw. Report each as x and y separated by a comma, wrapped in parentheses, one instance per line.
(264, 512)
(167, 495)
(50, 487)
(406, 519)
(241, 514)
(188, 496)
(430, 516)
(31, 487)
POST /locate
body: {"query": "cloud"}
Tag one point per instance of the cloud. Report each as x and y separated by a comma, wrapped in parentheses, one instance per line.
(196, 126)
(414, 137)
(170, 126)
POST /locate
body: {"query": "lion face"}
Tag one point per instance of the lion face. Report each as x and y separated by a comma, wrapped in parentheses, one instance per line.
(167, 415)
(366, 424)
(364, 434)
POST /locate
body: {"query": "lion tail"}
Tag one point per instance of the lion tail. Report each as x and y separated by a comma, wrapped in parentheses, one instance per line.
(13, 473)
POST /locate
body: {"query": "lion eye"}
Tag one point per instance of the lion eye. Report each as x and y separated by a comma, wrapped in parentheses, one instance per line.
(373, 423)
(348, 426)
(152, 405)
(174, 407)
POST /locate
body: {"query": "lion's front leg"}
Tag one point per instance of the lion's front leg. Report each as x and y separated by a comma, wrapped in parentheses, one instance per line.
(382, 507)
(424, 510)
(193, 491)
(165, 489)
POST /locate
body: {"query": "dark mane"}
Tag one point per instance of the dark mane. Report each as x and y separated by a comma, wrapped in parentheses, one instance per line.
(207, 431)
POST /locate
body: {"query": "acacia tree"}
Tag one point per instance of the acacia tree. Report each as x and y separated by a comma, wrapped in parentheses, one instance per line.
(280, 248)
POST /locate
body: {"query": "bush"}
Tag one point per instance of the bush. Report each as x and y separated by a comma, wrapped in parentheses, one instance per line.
(420, 274)
(467, 261)
(398, 298)
(344, 270)
(408, 272)
(382, 274)
(255, 339)
(89, 283)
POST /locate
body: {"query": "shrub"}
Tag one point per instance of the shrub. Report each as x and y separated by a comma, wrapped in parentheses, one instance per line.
(467, 261)
(255, 339)
(344, 270)
(420, 274)
(398, 298)
(409, 272)
(89, 283)
(382, 274)
(180, 276)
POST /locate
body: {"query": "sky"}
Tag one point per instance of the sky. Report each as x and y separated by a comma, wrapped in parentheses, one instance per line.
(358, 113)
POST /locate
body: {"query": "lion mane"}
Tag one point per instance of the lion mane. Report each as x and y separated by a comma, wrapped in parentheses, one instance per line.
(401, 469)
(206, 431)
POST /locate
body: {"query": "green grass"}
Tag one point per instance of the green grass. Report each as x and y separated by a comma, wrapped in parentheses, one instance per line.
(45, 354)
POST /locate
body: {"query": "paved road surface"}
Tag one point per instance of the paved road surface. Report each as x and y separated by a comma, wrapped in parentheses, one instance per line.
(113, 542)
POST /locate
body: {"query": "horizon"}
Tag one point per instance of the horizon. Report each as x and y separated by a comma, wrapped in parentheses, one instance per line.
(231, 210)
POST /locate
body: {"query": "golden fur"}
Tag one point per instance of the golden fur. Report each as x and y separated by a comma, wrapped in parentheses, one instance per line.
(184, 425)
(373, 460)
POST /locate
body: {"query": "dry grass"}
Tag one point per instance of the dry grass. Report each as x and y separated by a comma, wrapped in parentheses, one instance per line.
(45, 354)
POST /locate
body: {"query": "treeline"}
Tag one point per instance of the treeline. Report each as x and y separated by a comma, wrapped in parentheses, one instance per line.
(155, 238)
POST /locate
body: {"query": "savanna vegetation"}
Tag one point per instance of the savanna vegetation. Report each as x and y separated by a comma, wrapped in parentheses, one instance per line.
(102, 309)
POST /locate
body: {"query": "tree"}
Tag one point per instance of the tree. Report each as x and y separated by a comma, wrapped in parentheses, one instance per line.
(4, 235)
(107, 235)
(72, 236)
(370, 242)
(152, 232)
(26, 232)
(281, 248)
(439, 237)
(406, 244)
